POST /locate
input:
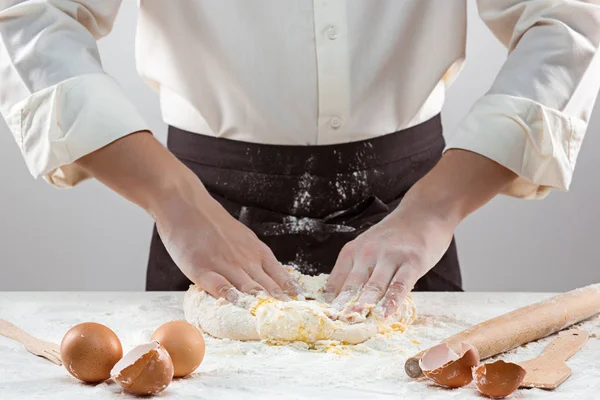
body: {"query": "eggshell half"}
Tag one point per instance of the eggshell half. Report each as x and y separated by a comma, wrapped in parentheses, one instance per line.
(145, 370)
(446, 368)
(498, 379)
(89, 350)
(185, 345)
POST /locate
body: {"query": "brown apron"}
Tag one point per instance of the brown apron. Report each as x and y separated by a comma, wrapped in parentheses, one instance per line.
(306, 202)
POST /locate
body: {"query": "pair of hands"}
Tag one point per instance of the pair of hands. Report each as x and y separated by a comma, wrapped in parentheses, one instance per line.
(225, 258)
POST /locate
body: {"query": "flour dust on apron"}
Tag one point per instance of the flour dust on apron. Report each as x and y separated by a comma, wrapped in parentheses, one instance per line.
(307, 202)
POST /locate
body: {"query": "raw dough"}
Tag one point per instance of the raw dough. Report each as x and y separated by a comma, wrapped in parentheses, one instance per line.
(311, 320)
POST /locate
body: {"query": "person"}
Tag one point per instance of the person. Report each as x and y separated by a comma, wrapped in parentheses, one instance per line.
(303, 132)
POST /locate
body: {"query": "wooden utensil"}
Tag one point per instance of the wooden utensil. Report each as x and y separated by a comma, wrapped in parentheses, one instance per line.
(549, 370)
(522, 325)
(47, 350)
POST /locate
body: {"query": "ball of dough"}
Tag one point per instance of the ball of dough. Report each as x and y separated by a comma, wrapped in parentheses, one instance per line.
(307, 323)
(308, 320)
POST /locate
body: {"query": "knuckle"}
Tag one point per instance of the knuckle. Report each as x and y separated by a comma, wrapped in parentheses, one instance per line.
(274, 289)
(395, 252)
(411, 271)
(330, 288)
(277, 293)
(412, 257)
(351, 244)
(369, 250)
(269, 285)
(288, 286)
(251, 288)
(200, 274)
(376, 287)
(400, 253)
(391, 306)
(398, 287)
(223, 289)
(350, 288)
(265, 251)
(254, 271)
(349, 248)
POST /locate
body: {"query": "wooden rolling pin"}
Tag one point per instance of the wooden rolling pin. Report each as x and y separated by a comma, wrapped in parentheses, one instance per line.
(522, 325)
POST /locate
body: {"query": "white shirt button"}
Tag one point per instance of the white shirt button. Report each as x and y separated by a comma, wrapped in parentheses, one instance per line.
(335, 122)
(332, 33)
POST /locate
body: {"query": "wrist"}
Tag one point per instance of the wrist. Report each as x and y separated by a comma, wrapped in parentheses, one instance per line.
(459, 184)
(427, 207)
(440, 202)
(181, 194)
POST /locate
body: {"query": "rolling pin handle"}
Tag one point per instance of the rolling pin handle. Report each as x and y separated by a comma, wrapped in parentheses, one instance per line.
(412, 368)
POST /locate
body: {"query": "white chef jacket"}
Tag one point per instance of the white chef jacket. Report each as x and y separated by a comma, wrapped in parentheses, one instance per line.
(309, 72)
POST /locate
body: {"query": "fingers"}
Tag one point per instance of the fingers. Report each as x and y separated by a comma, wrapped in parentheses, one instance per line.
(403, 282)
(339, 274)
(252, 280)
(359, 275)
(375, 288)
(244, 282)
(281, 276)
(261, 277)
(217, 286)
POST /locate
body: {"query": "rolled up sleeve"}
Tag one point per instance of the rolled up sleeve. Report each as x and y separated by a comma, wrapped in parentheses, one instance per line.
(56, 99)
(534, 117)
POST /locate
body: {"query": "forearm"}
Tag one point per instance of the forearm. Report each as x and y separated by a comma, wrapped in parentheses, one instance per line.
(210, 247)
(459, 184)
(143, 171)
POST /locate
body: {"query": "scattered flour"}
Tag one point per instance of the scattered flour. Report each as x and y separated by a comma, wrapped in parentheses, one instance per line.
(302, 196)
(302, 263)
(253, 370)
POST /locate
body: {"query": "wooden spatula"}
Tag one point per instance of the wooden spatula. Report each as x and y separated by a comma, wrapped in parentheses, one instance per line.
(549, 370)
(49, 351)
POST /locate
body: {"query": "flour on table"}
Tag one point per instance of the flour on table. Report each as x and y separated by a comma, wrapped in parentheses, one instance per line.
(234, 370)
(309, 319)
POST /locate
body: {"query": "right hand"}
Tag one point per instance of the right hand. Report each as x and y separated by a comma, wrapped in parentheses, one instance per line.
(211, 248)
(217, 252)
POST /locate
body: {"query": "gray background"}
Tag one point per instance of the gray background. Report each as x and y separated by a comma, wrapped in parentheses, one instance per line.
(88, 238)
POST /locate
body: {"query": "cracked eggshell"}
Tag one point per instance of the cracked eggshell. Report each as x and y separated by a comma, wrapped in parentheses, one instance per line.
(145, 370)
(89, 350)
(446, 368)
(498, 379)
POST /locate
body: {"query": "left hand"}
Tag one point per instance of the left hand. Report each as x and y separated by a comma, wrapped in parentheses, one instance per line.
(387, 260)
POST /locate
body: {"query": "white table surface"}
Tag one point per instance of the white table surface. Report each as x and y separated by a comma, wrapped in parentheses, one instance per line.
(236, 370)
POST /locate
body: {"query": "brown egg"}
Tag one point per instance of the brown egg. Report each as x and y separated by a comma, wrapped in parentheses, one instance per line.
(185, 345)
(89, 351)
(498, 379)
(145, 370)
(446, 368)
